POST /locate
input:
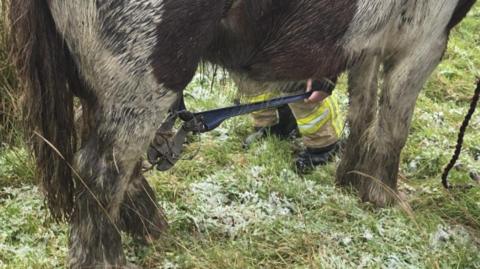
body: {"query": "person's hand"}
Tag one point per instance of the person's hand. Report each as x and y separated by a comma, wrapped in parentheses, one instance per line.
(317, 96)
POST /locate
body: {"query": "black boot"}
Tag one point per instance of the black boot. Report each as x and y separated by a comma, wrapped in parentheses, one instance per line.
(308, 159)
(285, 129)
(287, 124)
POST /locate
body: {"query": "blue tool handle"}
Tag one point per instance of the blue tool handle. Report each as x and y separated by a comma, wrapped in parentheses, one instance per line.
(213, 118)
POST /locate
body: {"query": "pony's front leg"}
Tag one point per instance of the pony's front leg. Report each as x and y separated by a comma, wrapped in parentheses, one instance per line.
(363, 87)
(108, 178)
(373, 170)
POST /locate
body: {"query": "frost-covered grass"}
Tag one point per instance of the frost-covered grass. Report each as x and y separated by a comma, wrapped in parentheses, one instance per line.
(231, 207)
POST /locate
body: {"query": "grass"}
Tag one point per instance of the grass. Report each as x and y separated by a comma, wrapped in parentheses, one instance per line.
(234, 208)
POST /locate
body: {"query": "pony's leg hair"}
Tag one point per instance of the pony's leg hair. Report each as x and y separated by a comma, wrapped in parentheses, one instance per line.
(381, 143)
(141, 216)
(107, 166)
(363, 88)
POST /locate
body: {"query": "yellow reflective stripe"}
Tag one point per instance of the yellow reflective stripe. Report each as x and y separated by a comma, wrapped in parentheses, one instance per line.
(305, 120)
(259, 98)
(316, 120)
(310, 129)
(264, 112)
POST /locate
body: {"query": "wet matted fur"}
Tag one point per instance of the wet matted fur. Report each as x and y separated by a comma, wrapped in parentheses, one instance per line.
(128, 61)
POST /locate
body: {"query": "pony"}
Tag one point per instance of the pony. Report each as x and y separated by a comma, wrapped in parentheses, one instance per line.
(126, 62)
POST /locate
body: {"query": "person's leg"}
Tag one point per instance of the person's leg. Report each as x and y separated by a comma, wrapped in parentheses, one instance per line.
(276, 121)
(319, 124)
(251, 92)
(263, 118)
(321, 127)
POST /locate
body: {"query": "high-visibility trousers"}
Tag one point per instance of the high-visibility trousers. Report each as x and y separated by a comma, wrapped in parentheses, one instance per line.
(320, 124)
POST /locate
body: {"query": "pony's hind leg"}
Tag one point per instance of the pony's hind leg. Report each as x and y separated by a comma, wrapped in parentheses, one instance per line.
(108, 177)
(136, 56)
(141, 215)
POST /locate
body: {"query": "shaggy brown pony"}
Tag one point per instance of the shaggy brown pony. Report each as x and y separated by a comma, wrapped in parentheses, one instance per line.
(127, 62)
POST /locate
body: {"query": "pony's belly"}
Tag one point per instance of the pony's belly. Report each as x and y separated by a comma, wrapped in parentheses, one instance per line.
(294, 66)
